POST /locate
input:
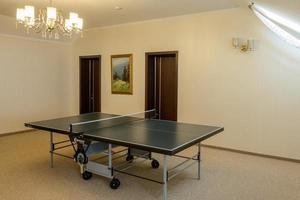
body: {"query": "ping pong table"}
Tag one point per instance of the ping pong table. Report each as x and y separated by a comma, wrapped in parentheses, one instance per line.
(139, 133)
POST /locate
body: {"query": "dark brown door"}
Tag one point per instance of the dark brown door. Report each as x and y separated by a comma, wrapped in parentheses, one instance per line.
(161, 84)
(90, 80)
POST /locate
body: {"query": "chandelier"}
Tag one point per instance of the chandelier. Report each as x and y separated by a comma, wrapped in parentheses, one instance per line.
(49, 22)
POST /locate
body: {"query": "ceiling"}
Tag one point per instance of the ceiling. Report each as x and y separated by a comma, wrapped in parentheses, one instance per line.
(97, 13)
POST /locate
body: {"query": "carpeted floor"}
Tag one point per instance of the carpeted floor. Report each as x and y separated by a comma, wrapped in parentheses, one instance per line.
(25, 174)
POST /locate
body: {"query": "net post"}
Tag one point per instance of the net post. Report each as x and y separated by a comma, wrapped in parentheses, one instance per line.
(150, 114)
(71, 128)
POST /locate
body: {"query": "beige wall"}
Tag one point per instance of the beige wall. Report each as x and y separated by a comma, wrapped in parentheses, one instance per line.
(255, 95)
(34, 81)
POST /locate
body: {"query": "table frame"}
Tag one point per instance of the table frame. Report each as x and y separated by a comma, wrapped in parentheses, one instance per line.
(109, 170)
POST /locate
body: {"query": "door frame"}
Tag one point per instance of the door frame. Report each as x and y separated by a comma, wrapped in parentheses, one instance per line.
(89, 57)
(159, 53)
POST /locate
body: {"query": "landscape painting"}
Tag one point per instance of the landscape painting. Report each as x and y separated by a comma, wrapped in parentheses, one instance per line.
(121, 74)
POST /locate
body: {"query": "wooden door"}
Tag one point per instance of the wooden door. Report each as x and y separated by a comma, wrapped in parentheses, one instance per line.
(161, 84)
(90, 88)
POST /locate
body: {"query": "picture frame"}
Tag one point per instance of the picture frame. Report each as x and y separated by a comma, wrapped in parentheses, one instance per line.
(121, 74)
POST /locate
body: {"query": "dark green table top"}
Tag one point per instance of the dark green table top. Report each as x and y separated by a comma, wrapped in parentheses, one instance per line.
(160, 136)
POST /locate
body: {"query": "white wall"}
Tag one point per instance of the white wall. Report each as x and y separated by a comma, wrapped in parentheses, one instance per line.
(255, 95)
(35, 81)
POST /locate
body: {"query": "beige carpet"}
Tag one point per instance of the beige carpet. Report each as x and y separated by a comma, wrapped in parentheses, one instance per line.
(25, 174)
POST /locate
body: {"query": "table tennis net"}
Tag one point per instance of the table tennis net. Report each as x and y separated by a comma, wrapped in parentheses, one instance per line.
(87, 126)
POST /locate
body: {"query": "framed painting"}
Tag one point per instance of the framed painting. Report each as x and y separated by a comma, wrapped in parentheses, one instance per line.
(121, 74)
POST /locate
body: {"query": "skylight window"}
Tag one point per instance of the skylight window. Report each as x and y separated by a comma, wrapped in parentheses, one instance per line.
(271, 20)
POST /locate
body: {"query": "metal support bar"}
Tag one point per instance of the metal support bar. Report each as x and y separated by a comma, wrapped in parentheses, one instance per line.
(106, 152)
(114, 158)
(182, 163)
(165, 178)
(88, 144)
(61, 142)
(120, 151)
(175, 174)
(179, 156)
(199, 159)
(62, 147)
(127, 165)
(110, 159)
(72, 142)
(137, 176)
(58, 154)
(132, 164)
(51, 149)
(145, 156)
(120, 156)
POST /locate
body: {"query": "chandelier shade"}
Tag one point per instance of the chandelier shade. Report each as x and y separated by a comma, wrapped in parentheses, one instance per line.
(49, 22)
(51, 13)
(20, 14)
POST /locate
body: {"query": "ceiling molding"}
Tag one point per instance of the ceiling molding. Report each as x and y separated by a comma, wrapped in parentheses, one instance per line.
(35, 39)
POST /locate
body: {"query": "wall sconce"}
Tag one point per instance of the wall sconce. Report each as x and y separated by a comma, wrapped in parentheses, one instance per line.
(244, 44)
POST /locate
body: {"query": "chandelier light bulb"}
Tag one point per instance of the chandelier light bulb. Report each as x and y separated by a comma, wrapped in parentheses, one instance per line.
(29, 12)
(68, 24)
(51, 13)
(80, 23)
(73, 17)
(20, 15)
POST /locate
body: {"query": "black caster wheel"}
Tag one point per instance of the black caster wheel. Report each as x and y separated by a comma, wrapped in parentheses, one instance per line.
(87, 175)
(129, 158)
(115, 183)
(155, 164)
(80, 157)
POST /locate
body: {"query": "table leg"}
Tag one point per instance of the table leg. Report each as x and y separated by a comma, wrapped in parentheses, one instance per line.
(51, 149)
(110, 159)
(199, 159)
(165, 178)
